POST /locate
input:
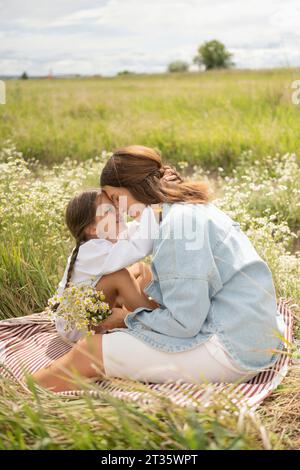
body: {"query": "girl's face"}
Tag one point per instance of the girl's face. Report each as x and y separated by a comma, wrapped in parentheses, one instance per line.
(106, 223)
(123, 201)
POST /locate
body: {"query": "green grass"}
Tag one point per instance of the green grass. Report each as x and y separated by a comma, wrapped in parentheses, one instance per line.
(211, 119)
(34, 245)
(53, 422)
(208, 118)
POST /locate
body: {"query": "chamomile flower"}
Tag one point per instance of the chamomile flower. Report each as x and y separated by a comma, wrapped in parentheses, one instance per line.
(80, 307)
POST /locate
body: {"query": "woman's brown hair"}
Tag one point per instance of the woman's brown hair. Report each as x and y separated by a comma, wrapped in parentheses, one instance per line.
(80, 213)
(140, 170)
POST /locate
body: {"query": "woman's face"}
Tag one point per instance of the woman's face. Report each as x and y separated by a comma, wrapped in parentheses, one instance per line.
(123, 201)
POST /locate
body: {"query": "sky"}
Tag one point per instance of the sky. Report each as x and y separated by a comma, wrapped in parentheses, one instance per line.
(143, 36)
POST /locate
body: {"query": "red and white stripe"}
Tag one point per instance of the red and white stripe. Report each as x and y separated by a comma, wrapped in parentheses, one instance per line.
(30, 343)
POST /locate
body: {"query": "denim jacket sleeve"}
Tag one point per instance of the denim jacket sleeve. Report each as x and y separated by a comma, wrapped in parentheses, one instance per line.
(181, 314)
(179, 319)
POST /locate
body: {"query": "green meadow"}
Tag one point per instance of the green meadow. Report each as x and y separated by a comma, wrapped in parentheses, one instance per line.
(205, 118)
(239, 130)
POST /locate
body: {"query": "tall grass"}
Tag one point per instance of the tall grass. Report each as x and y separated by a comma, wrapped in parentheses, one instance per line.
(34, 242)
(207, 118)
(33, 248)
(261, 193)
(33, 239)
(52, 422)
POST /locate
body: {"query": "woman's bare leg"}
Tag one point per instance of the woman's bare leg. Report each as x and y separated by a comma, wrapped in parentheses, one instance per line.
(123, 285)
(83, 361)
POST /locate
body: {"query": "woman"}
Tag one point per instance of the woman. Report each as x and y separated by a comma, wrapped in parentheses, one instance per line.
(217, 319)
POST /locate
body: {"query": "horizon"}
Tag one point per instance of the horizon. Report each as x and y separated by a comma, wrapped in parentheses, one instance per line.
(133, 73)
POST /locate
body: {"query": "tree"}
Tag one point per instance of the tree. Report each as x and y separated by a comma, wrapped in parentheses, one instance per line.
(24, 76)
(178, 66)
(213, 55)
(125, 72)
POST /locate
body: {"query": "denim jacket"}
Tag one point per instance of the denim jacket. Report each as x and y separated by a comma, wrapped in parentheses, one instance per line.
(208, 279)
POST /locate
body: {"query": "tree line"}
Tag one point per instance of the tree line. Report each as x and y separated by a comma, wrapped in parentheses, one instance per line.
(210, 55)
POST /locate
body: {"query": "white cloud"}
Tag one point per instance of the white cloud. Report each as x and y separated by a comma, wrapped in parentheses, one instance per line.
(286, 18)
(79, 17)
(104, 36)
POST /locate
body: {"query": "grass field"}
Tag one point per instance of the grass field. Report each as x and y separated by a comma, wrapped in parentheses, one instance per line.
(209, 119)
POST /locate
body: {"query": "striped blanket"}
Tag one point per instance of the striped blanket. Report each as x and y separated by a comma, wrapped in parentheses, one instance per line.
(30, 343)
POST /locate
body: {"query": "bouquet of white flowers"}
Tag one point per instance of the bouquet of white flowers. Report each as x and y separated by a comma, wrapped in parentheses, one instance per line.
(81, 306)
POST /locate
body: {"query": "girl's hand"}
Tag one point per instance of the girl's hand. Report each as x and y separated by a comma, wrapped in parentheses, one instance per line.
(115, 320)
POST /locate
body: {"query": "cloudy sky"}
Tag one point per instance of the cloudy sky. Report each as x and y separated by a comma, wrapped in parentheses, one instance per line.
(106, 36)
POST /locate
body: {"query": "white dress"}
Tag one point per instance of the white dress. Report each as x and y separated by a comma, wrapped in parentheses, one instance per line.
(125, 356)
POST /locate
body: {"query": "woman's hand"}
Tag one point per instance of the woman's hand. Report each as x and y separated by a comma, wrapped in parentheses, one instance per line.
(115, 320)
(171, 175)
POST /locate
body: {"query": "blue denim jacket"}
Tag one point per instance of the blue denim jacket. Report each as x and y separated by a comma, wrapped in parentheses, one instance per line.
(209, 279)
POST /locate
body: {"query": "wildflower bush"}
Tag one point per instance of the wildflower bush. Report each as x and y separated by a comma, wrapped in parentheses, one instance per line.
(263, 197)
(269, 188)
(33, 238)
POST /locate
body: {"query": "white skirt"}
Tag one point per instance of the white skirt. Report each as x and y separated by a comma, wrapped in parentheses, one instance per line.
(126, 356)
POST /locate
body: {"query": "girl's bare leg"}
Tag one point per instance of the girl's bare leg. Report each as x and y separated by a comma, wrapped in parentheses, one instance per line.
(142, 272)
(123, 285)
(84, 361)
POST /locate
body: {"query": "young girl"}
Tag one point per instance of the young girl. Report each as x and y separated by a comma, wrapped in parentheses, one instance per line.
(105, 245)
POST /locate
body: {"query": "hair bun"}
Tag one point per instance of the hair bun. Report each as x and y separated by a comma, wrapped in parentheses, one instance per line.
(170, 174)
